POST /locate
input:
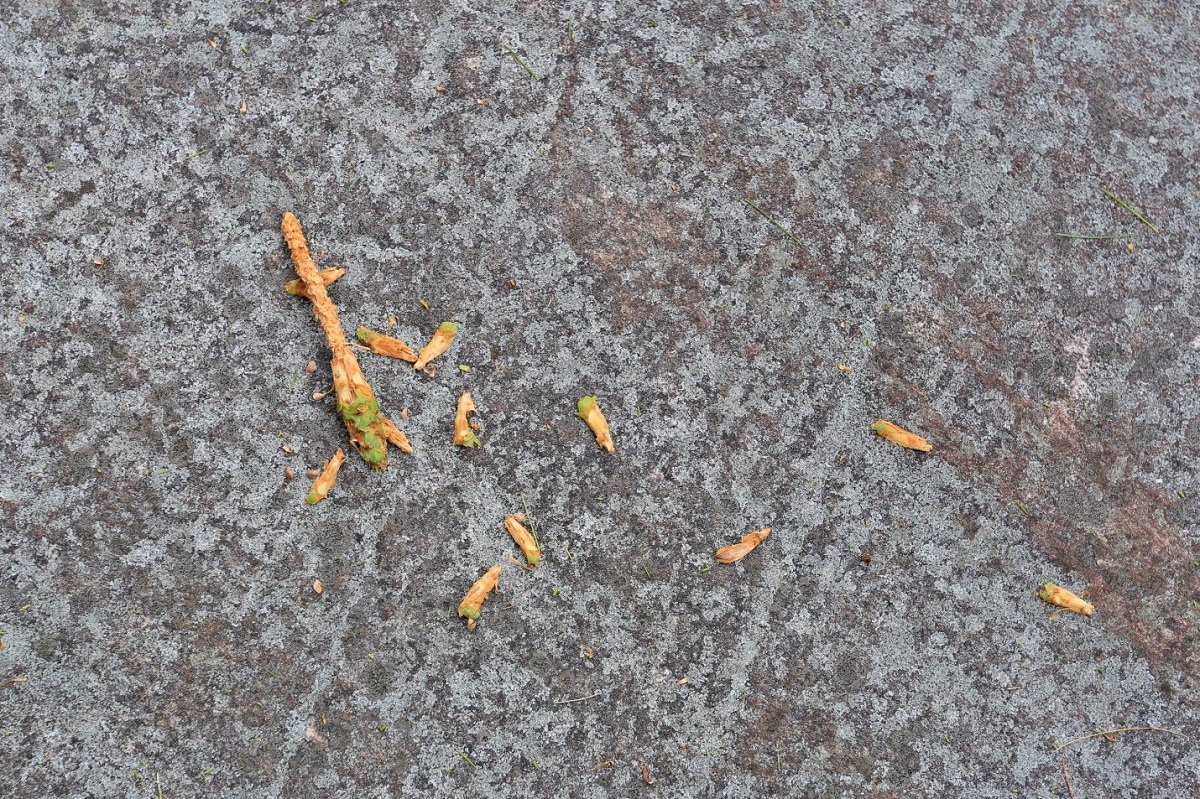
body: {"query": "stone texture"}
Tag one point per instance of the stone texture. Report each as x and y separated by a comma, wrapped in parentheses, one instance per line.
(589, 231)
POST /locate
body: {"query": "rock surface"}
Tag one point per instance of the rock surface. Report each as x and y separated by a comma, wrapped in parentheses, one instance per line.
(590, 231)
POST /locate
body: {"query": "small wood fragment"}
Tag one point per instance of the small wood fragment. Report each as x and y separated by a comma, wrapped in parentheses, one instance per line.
(395, 436)
(356, 401)
(1061, 597)
(327, 477)
(441, 341)
(464, 436)
(524, 538)
(473, 601)
(383, 344)
(646, 778)
(296, 287)
(735, 552)
(590, 412)
(898, 435)
(289, 473)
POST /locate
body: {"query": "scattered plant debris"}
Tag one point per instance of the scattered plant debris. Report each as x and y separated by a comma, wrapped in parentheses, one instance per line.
(473, 601)
(771, 219)
(513, 522)
(735, 552)
(590, 412)
(296, 287)
(369, 430)
(521, 62)
(1104, 237)
(898, 435)
(1061, 597)
(1128, 208)
(327, 477)
(577, 699)
(382, 344)
(1111, 735)
(441, 341)
(395, 436)
(1066, 779)
(464, 435)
